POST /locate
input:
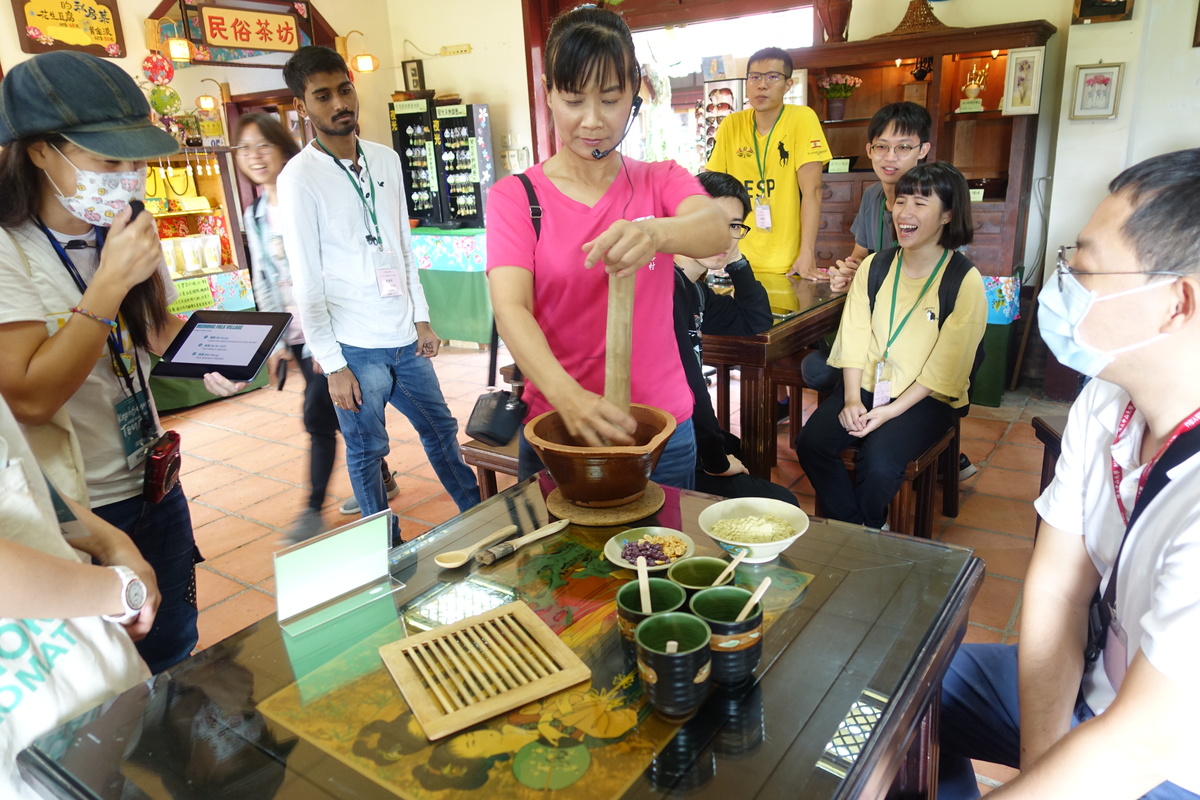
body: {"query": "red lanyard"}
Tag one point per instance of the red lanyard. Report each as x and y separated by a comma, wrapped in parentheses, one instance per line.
(1118, 473)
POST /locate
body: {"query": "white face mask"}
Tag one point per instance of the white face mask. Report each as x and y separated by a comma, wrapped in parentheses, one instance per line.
(100, 196)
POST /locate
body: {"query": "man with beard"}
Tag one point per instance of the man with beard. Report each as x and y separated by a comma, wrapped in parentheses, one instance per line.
(356, 287)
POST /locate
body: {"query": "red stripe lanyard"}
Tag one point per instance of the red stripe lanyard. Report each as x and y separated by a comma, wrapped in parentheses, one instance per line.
(1118, 472)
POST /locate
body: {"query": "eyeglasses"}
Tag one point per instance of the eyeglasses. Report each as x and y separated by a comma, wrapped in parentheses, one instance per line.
(738, 230)
(769, 77)
(259, 147)
(901, 150)
(1065, 268)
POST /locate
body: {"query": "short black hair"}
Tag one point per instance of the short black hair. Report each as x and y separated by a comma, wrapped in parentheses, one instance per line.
(585, 46)
(722, 184)
(773, 54)
(942, 179)
(1164, 227)
(311, 60)
(909, 119)
(271, 129)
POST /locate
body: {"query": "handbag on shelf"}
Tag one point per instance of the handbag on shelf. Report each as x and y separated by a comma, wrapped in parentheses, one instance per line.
(497, 415)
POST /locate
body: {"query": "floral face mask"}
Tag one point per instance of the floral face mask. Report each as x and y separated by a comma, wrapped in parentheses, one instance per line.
(100, 196)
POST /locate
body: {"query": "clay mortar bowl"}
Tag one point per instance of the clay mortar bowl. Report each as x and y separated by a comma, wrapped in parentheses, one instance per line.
(600, 477)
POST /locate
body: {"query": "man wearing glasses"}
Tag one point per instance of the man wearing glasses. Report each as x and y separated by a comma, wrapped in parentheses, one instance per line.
(698, 309)
(777, 151)
(1096, 701)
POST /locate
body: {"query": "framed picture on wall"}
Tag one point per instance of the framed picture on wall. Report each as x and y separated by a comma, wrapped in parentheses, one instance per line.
(1023, 80)
(1089, 11)
(1097, 91)
(414, 75)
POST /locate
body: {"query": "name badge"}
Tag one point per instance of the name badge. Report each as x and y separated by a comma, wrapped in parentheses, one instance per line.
(1116, 653)
(883, 388)
(138, 434)
(762, 214)
(389, 278)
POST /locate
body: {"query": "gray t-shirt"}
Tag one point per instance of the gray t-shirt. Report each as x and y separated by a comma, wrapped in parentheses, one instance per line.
(866, 223)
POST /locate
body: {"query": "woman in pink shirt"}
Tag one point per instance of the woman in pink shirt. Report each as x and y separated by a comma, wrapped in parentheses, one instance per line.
(598, 208)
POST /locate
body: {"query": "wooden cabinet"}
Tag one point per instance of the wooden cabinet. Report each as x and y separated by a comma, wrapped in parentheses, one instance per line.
(983, 145)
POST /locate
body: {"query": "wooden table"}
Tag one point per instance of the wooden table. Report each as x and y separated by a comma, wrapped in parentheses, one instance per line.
(819, 311)
(860, 629)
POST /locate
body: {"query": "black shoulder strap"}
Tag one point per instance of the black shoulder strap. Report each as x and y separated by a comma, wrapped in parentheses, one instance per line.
(877, 272)
(535, 214)
(956, 270)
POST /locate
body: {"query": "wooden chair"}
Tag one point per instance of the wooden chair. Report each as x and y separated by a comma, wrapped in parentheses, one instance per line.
(786, 372)
(487, 461)
(911, 510)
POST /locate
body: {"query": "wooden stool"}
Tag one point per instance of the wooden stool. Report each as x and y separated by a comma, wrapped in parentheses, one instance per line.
(911, 510)
(488, 460)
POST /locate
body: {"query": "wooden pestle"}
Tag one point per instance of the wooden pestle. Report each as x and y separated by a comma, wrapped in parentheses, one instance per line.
(619, 341)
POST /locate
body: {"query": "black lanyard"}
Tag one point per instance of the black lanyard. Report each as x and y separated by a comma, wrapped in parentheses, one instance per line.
(115, 348)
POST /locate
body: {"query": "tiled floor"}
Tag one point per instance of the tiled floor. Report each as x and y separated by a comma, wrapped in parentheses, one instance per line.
(245, 469)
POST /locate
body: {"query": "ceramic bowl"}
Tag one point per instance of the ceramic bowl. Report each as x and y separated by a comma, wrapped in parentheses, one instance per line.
(614, 546)
(760, 553)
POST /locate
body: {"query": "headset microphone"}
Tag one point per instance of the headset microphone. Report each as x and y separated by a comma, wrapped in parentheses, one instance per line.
(637, 106)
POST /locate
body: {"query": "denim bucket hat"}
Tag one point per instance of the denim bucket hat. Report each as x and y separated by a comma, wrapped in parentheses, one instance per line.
(91, 102)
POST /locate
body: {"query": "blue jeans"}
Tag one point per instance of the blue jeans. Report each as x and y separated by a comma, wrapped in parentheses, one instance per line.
(407, 381)
(981, 719)
(676, 466)
(162, 532)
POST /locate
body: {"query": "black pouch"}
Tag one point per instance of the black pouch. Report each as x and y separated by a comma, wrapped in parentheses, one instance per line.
(496, 417)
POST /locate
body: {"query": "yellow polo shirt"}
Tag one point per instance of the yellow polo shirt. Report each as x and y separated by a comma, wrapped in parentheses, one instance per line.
(796, 140)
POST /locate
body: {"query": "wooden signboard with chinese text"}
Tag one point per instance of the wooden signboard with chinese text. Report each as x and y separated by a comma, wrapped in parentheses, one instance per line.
(222, 26)
(89, 26)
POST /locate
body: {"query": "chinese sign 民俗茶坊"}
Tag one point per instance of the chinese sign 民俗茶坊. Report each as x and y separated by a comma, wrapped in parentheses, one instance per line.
(259, 30)
(90, 26)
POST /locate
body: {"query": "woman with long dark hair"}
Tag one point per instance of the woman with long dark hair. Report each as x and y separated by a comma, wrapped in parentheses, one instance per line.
(905, 349)
(598, 207)
(83, 302)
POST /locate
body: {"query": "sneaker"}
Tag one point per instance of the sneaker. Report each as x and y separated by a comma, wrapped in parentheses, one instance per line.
(306, 526)
(389, 485)
(965, 468)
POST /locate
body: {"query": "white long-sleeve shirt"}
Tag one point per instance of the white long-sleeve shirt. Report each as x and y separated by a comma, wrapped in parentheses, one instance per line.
(325, 234)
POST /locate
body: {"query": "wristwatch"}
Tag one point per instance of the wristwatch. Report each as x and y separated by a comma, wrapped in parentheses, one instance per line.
(133, 596)
(736, 265)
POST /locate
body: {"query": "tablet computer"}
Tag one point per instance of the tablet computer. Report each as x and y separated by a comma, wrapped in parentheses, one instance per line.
(233, 343)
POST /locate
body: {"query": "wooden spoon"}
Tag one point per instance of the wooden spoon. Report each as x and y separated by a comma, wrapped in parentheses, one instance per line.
(456, 558)
(754, 598)
(732, 566)
(644, 585)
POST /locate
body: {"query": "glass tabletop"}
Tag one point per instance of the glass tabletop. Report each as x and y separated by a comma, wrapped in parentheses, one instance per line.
(849, 619)
(791, 296)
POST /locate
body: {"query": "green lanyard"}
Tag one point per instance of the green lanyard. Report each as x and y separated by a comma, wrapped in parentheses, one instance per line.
(882, 217)
(760, 160)
(895, 290)
(369, 205)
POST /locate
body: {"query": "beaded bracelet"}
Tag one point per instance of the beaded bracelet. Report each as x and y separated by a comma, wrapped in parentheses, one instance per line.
(112, 323)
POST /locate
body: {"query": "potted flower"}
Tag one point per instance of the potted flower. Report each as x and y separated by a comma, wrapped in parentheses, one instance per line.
(836, 88)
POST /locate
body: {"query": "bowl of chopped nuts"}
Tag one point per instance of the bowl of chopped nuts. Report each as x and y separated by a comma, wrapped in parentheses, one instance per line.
(662, 547)
(764, 526)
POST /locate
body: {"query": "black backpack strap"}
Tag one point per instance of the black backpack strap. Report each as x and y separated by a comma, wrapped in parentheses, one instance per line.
(535, 214)
(956, 270)
(876, 273)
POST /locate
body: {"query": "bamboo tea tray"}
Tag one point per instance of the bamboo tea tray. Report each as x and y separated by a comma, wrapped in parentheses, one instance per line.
(459, 675)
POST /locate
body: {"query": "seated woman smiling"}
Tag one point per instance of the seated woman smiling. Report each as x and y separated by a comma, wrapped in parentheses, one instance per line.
(905, 353)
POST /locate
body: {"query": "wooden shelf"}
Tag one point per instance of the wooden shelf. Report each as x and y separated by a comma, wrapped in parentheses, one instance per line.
(955, 116)
(217, 210)
(193, 275)
(837, 123)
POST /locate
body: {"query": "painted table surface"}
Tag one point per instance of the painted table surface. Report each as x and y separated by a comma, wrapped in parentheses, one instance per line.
(860, 626)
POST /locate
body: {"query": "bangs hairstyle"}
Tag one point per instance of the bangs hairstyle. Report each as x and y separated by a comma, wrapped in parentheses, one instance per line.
(950, 186)
(909, 119)
(1164, 228)
(722, 184)
(589, 45)
(311, 60)
(271, 129)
